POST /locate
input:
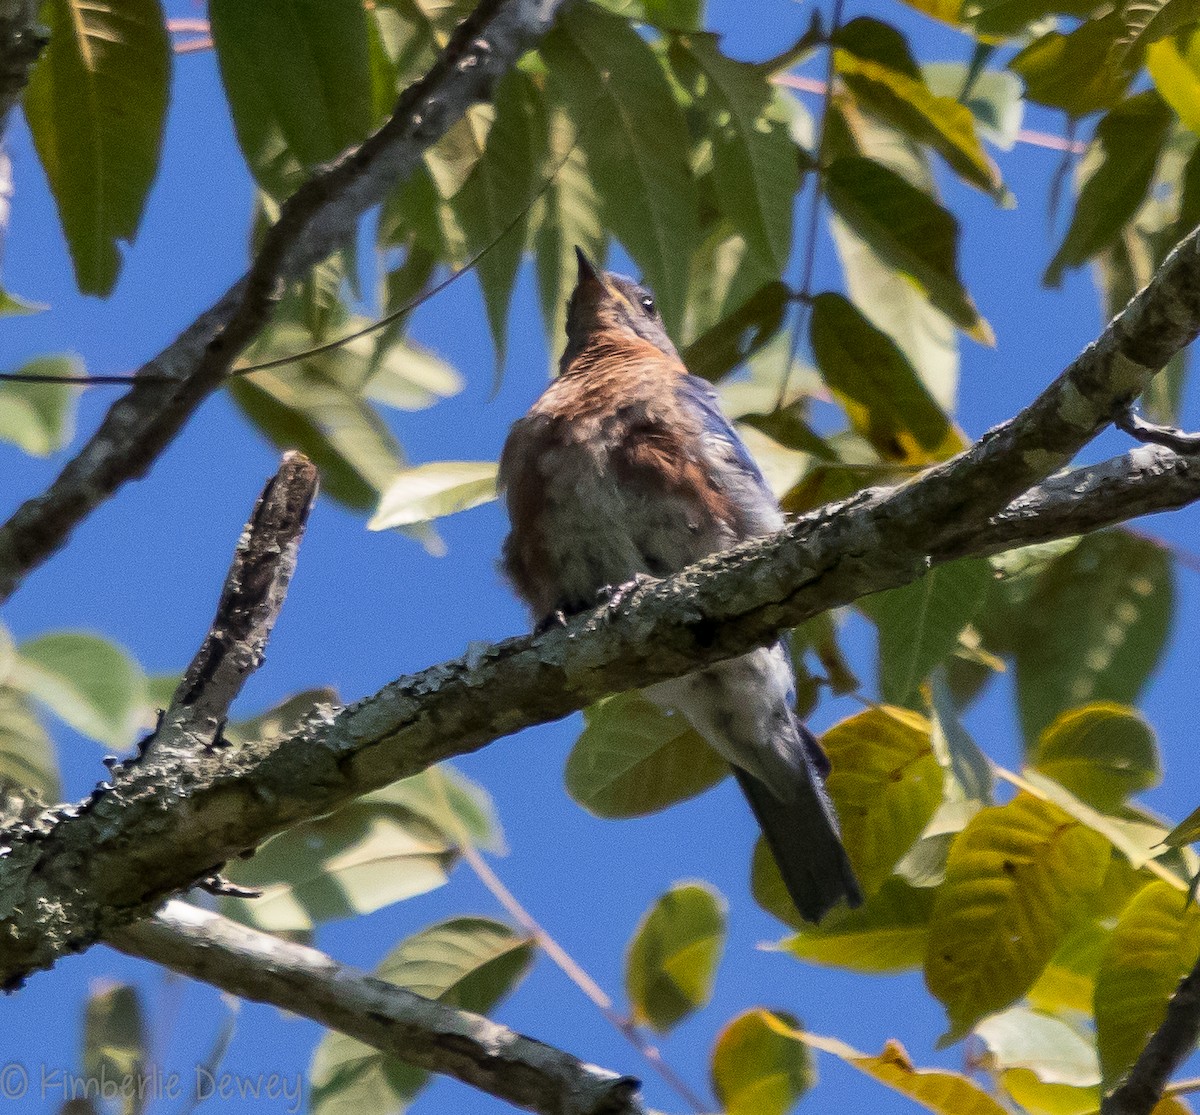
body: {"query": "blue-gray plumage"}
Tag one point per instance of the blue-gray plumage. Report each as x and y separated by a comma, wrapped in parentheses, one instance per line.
(624, 467)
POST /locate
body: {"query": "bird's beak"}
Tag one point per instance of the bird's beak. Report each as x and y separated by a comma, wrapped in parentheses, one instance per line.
(586, 269)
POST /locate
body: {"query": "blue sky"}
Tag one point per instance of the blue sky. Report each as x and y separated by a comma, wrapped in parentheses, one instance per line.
(364, 608)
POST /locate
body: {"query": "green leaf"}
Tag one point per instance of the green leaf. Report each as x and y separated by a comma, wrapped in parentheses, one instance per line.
(12, 305)
(954, 746)
(1010, 17)
(863, 366)
(919, 624)
(298, 77)
(1138, 840)
(886, 784)
(1103, 753)
(1075, 72)
(496, 194)
(360, 858)
(470, 963)
(1148, 21)
(1016, 880)
(27, 757)
(570, 217)
(91, 684)
(759, 1066)
(408, 377)
(1153, 946)
(96, 105)
(908, 230)
(1044, 1064)
(114, 1041)
(885, 295)
(888, 933)
(740, 334)
(633, 759)
(636, 140)
(40, 417)
(1046, 1046)
(1176, 75)
(412, 32)
(281, 720)
(673, 957)
(1130, 138)
(994, 100)
(674, 15)
(431, 491)
(945, 1093)
(755, 171)
(1093, 628)
(1069, 980)
(1186, 832)
(889, 85)
(449, 800)
(321, 405)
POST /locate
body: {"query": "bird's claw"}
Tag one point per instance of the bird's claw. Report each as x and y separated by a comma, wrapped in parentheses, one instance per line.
(615, 595)
(554, 619)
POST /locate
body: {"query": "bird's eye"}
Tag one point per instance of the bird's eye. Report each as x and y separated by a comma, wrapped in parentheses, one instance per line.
(648, 304)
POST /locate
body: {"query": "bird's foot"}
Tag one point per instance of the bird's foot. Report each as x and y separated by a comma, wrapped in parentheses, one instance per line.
(546, 623)
(615, 595)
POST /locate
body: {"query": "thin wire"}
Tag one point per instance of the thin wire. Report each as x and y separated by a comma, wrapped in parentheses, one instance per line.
(570, 967)
(804, 298)
(328, 346)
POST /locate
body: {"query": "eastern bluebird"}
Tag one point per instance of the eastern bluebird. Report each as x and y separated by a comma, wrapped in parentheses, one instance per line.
(624, 467)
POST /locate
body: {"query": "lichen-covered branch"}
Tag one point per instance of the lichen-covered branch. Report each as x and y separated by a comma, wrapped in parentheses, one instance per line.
(1169, 1046)
(165, 824)
(189, 733)
(422, 1032)
(315, 220)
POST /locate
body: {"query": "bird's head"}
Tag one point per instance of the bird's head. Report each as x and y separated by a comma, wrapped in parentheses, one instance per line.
(603, 302)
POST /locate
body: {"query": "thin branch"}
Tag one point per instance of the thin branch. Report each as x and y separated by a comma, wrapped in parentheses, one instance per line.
(1048, 140)
(1169, 1046)
(423, 1032)
(571, 968)
(191, 728)
(1151, 433)
(313, 221)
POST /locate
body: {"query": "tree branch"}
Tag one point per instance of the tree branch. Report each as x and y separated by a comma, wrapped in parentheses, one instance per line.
(188, 736)
(1168, 1047)
(164, 825)
(315, 220)
(420, 1031)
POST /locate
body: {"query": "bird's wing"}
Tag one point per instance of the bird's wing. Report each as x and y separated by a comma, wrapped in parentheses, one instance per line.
(730, 460)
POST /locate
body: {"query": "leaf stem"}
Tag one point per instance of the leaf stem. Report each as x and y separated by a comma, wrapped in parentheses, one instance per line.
(580, 978)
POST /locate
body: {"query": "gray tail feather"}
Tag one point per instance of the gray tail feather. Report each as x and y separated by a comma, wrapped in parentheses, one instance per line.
(803, 835)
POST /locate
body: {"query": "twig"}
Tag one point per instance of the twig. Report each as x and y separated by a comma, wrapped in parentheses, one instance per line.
(1168, 1047)
(191, 727)
(580, 978)
(1151, 433)
(318, 217)
(1048, 140)
(423, 1032)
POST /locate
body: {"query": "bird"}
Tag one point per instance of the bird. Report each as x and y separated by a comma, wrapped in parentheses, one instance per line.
(626, 468)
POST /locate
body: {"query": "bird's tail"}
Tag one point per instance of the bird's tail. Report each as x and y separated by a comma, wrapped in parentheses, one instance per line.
(803, 835)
